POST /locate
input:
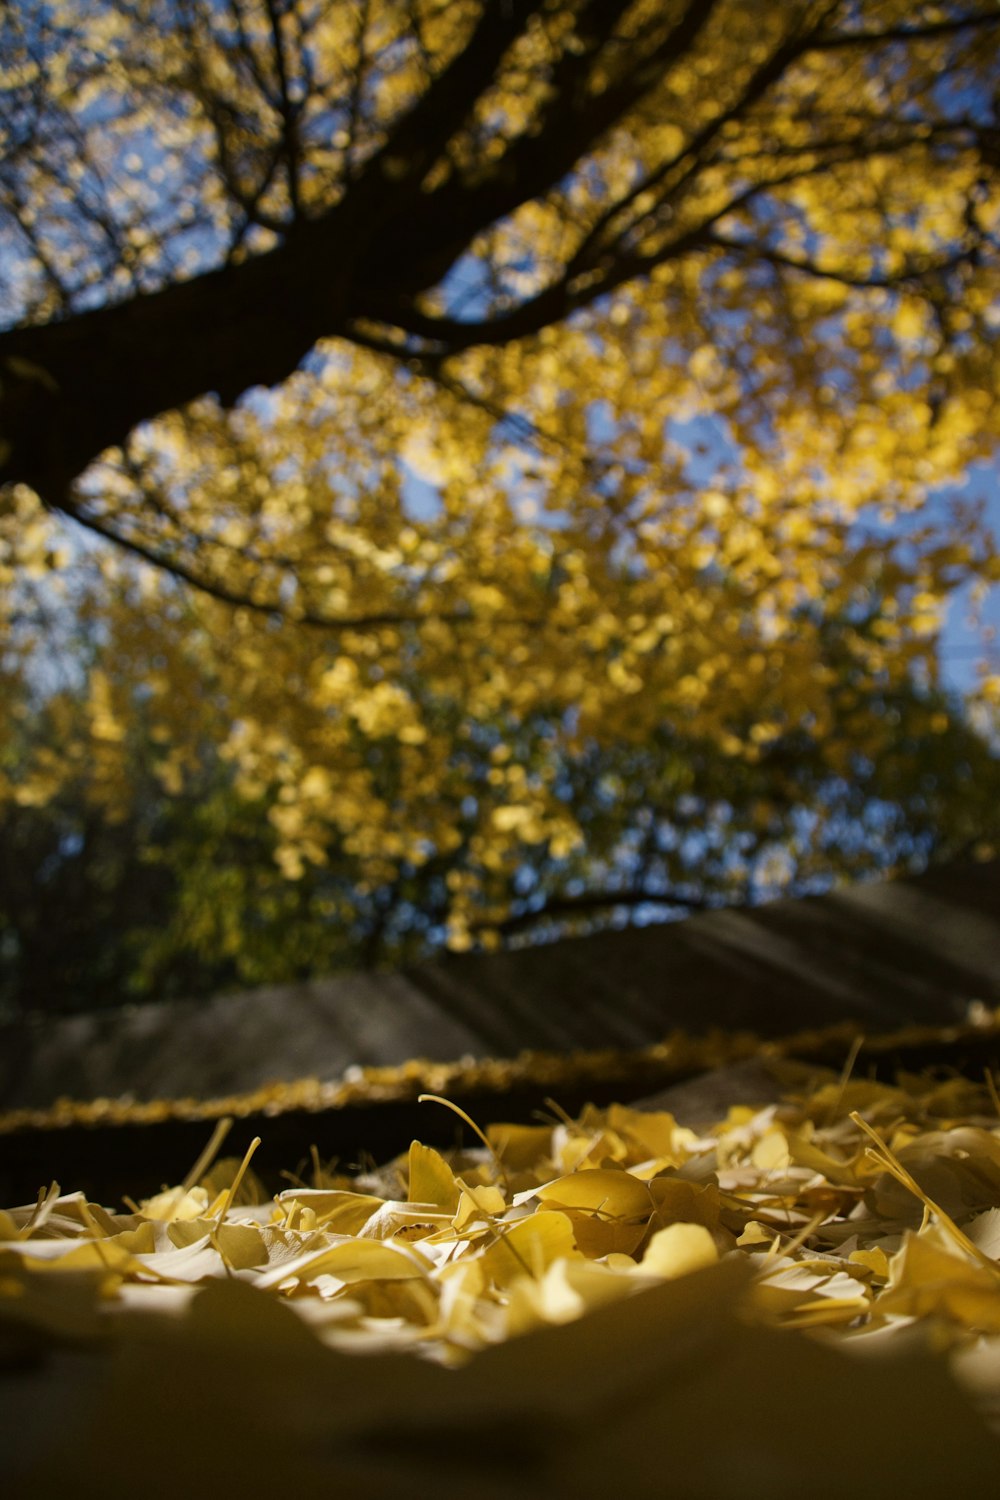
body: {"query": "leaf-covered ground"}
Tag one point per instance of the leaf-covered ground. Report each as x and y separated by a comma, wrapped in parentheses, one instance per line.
(802, 1294)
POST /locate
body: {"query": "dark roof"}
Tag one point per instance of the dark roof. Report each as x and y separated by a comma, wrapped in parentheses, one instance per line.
(882, 954)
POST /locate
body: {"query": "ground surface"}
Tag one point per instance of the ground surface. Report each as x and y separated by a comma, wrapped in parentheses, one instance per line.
(795, 1283)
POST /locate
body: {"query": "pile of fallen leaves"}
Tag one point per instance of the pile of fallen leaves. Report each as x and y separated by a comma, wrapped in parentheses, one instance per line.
(802, 1294)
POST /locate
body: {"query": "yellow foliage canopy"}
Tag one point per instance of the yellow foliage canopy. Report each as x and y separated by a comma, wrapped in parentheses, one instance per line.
(631, 342)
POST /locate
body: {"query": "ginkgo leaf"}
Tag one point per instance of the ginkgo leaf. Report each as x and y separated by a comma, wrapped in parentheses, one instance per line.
(984, 1232)
(520, 1146)
(410, 1220)
(674, 1198)
(431, 1180)
(529, 1247)
(597, 1235)
(339, 1212)
(176, 1203)
(678, 1249)
(594, 1190)
(347, 1260)
(929, 1277)
(567, 1290)
(655, 1131)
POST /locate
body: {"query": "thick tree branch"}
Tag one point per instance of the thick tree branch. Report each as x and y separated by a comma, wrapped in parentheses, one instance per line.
(396, 172)
(101, 373)
(571, 121)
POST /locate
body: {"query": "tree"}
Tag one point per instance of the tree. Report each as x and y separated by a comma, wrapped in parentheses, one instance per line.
(612, 352)
(160, 894)
(281, 172)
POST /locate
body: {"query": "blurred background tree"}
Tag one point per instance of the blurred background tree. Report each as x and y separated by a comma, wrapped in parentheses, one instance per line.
(476, 469)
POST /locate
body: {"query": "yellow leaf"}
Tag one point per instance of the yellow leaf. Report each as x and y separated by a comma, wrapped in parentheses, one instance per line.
(928, 1279)
(678, 1249)
(690, 1202)
(431, 1180)
(597, 1190)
